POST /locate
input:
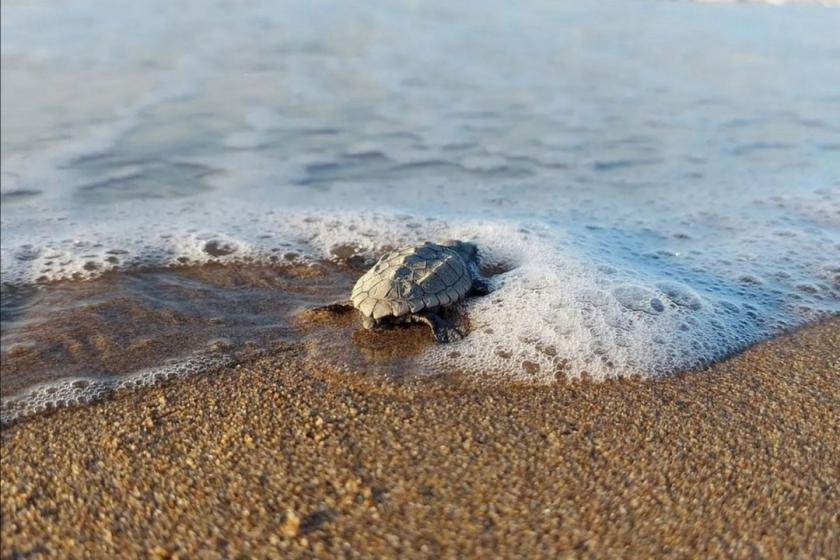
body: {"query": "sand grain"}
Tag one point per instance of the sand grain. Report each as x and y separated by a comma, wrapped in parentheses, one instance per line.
(270, 460)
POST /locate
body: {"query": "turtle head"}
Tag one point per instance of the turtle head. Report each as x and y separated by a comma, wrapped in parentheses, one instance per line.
(467, 250)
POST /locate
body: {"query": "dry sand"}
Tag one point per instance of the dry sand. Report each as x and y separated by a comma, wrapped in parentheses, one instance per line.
(272, 460)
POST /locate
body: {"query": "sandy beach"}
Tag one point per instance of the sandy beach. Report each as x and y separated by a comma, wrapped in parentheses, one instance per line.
(272, 459)
(592, 251)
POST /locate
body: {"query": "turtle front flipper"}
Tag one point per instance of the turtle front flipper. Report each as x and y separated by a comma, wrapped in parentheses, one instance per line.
(443, 329)
(338, 307)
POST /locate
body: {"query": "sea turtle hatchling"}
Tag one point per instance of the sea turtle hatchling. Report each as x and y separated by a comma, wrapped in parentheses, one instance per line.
(415, 284)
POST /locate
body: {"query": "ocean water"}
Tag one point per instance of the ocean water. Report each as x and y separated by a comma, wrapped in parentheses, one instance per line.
(652, 185)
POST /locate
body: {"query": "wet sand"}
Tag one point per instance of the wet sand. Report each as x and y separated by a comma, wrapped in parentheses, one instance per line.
(272, 459)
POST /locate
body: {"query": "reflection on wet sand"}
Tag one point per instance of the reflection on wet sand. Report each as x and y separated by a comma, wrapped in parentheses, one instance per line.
(103, 332)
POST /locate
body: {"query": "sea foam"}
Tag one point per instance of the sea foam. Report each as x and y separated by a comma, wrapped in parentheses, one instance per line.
(601, 301)
(77, 391)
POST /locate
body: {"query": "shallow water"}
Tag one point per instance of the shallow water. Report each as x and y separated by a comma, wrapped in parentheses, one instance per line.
(658, 183)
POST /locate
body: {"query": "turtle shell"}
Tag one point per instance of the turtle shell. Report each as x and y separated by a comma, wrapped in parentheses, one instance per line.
(410, 280)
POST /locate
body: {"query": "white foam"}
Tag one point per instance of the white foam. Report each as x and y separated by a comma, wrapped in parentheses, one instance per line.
(570, 303)
(76, 391)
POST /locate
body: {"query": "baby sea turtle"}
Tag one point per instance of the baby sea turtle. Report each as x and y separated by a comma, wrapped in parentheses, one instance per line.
(416, 284)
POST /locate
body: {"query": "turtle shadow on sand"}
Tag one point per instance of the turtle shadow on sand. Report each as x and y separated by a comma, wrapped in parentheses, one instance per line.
(420, 284)
(335, 339)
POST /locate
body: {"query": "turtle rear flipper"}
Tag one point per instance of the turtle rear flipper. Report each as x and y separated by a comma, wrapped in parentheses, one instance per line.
(480, 287)
(443, 329)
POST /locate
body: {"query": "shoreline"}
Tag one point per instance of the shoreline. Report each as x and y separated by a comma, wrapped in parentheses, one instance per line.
(272, 459)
